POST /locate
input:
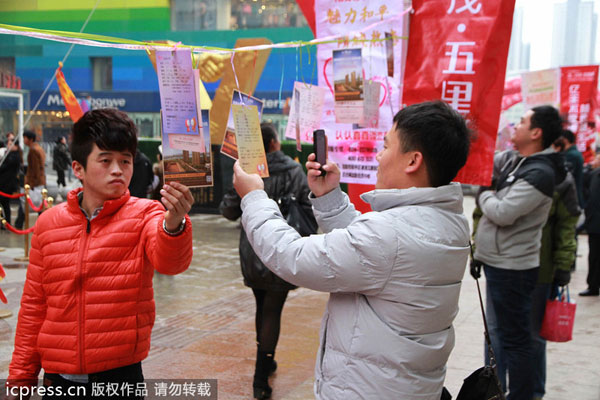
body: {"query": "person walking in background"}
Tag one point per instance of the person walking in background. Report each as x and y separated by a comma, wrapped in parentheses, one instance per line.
(60, 160)
(508, 236)
(9, 171)
(87, 308)
(35, 175)
(141, 181)
(574, 160)
(394, 274)
(270, 292)
(592, 226)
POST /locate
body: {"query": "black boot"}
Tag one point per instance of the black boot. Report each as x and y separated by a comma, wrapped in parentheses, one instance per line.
(262, 370)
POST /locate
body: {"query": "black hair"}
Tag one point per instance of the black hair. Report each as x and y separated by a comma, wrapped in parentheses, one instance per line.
(440, 133)
(30, 135)
(567, 134)
(269, 133)
(107, 128)
(549, 121)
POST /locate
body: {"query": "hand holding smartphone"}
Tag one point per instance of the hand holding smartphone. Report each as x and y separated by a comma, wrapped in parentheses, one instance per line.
(320, 148)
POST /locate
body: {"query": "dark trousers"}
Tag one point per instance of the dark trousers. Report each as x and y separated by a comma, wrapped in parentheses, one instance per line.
(60, 174)
(5, 203)
(510, 292)
(119, 383)
(541, 293)
(593, 278)
(269, 305)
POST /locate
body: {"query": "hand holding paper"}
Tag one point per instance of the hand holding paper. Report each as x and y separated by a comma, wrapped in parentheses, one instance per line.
(178, 200)
(245, 183)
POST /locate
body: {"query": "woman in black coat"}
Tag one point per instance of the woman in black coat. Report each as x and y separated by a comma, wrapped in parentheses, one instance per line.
(285, 177)
(9, 172)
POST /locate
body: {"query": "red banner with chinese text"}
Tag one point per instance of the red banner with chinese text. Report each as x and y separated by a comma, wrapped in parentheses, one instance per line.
(457, 52)
(578, 91)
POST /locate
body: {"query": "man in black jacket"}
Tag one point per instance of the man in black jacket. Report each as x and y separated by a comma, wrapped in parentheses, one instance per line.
(142, 175)
(592, 226)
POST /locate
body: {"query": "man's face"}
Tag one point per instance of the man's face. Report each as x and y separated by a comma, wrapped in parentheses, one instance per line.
(107, 174)
(27, 141)
(392, 161)
(523, 132)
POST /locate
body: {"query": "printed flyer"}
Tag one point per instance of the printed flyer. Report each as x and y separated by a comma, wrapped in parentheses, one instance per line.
(229, 146)
(348, 85)
(250, 146)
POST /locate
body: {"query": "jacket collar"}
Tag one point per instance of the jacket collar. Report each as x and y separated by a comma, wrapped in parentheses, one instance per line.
(110, 206)
(448, 197)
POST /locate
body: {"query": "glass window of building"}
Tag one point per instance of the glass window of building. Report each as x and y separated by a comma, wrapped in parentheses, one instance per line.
(194, 15)
(102, 73)
(248, 14)
(7, 65)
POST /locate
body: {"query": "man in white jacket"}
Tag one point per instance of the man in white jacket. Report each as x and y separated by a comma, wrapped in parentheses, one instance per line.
(394, 274)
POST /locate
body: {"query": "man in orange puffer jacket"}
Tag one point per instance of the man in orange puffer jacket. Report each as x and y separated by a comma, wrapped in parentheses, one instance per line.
(87, 309)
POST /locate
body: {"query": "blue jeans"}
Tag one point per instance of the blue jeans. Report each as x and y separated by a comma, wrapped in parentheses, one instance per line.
(538, 307)
(510, 292)
(492, 324)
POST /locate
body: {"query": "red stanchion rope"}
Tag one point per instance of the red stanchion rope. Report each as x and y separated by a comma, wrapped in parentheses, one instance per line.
(34, 208)
(12, 196)
(18, 231)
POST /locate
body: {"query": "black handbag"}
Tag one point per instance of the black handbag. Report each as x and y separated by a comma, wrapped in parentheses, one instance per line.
(483, 384)
(296, 216)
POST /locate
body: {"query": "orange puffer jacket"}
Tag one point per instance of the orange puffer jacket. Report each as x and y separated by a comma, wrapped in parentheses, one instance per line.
(88, 302)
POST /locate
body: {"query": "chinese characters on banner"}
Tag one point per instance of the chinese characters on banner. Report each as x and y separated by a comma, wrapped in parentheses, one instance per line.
(353, 148)
(512, 93)
(457, 52)
(578, 91)
(540, 87)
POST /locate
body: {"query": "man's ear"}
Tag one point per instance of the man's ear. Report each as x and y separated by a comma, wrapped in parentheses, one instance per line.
(78, 169)
(415, 162)
(536, 134)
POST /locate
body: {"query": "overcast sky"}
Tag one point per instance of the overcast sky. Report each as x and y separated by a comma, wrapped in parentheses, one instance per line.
(537, 29)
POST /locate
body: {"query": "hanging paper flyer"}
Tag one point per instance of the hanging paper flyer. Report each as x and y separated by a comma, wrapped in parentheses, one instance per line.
(348, 85)
(191, 168)
(371, 105)
(229, 146)
(389, 52)
(250, 148)
(181, 125)
(306, 111)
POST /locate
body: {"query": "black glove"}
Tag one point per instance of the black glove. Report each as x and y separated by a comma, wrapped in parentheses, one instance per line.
(562, 277)
(475, 268)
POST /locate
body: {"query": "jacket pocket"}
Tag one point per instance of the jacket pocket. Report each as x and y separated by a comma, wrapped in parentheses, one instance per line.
(323, 346)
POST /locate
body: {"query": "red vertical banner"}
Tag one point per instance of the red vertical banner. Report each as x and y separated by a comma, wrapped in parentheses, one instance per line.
(457, 52)
(578, 91)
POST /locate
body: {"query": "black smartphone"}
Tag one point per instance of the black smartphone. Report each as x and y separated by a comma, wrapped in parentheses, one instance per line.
(320, 148)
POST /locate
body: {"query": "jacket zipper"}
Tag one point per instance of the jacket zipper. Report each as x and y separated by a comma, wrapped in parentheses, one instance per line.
(82, 251)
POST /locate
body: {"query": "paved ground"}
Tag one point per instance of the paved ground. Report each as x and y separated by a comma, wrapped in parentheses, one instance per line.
(205, 325)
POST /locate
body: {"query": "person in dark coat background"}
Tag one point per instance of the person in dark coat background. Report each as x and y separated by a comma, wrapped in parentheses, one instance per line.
(61, 160)
(9, 171)
(142, 177)
(285, 176)
(592, 226)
